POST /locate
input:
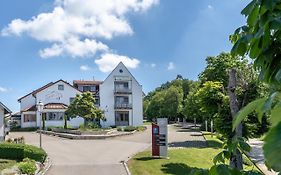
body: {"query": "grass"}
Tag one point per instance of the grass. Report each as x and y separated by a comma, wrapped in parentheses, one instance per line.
(212, 140)
(181, 161)
(147, 123)
(4, 163)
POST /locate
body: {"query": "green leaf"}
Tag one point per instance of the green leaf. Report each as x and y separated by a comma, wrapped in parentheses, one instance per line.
(244, 146)
(252, 18)
(220, 170)
(218, 158)
(275, 117)
(239, 48)
(249, 8)
(244, 112)
(272, 148)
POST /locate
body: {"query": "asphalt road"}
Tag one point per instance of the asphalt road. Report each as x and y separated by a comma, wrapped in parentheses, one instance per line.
(72, 157)
(102, 157)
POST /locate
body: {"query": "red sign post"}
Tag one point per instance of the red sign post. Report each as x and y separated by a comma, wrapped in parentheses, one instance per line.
(155, 137)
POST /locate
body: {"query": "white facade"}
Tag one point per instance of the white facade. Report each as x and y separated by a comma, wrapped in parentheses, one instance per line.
(2, 125)
(58, 95)
(121, 98)
(3, 110)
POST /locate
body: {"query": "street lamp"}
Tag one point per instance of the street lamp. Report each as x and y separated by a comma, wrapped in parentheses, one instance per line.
(40, 107)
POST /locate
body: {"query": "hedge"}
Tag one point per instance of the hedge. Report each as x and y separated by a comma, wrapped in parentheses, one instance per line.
(21, 151)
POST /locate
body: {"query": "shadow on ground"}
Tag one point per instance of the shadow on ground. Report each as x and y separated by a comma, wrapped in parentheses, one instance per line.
(189, 144)
(147, 158)
(182, 169)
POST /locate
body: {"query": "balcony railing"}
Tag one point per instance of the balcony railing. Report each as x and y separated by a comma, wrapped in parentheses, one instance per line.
(123, 106)
(118, 90)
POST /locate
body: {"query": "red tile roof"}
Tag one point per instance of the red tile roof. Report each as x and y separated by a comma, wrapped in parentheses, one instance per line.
(32, 108)
(86, 82)
(55, 106)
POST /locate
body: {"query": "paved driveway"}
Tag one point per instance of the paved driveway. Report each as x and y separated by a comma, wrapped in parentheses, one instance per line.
(102, 157)
(72, 157)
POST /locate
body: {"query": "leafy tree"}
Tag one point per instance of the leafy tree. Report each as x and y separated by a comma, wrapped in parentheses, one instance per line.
(218, 67)
(260, 38)
(84, 106)
(168, 99)
(172, 102)
(155, 105)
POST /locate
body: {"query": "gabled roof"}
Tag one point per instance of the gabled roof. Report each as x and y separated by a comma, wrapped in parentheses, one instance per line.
(121, 63)
(45, 87)
(6, 110)
(29, 109)
(86, 82)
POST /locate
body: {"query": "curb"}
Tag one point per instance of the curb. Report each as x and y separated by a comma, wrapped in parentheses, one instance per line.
(126, 167)
(48, 164)
(85, 137)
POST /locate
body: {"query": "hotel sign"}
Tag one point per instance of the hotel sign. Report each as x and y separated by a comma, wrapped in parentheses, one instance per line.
(159, 138)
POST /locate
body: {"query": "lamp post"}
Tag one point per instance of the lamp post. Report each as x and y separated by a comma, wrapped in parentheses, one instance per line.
(40, 107)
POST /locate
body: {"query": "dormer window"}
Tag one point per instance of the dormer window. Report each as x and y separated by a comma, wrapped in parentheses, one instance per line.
(61, 87)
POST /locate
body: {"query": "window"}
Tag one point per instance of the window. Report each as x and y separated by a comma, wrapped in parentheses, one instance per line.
(93, 88)
(61, 87)
(86, 88)
(29, 117)
(71, 99)
(121, 99)
(121, 85)
(54, 116)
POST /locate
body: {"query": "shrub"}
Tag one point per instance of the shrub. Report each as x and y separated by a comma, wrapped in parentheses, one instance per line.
(141, 128)
(27, 166)
(21, 151)
(119, 128)
(18, 129)
(129, 128)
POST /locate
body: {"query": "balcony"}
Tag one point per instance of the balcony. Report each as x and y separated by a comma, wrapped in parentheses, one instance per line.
(123, 106)
(119, 90)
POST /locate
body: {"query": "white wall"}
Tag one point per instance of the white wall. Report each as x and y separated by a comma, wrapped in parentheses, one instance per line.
(51, 95)
(27, 102)
(2, 125)
(107, 97)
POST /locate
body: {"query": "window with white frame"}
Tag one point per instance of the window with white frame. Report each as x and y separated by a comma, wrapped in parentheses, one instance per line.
(54, 116)
(29, 117)
(61, 87)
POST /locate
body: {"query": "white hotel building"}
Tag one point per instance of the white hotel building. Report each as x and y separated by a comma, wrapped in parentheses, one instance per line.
(119, 96)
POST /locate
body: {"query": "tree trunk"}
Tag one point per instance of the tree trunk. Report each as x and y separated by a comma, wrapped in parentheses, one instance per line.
(65, 122)
(235, 160)
(43, 121)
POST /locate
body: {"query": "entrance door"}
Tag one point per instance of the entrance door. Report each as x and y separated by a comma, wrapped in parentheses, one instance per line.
(122, 118)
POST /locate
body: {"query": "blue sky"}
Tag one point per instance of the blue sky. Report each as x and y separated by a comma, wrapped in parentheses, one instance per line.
(157, 39)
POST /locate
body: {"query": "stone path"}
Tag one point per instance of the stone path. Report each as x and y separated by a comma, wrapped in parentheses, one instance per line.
(256, 155)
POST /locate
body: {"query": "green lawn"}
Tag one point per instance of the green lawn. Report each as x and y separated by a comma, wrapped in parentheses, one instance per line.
(212, 140)
(181, 161)
(4, 163)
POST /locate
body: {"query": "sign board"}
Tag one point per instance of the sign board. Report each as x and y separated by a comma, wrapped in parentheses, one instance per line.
(159, 138)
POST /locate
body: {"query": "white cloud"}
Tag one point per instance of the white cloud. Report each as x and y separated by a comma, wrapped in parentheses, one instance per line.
(85, 68)
(171, 66)
(75, 48)
(210, 7)
(153, 65)
(2, 89)
(74, 27)
(107, 62)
